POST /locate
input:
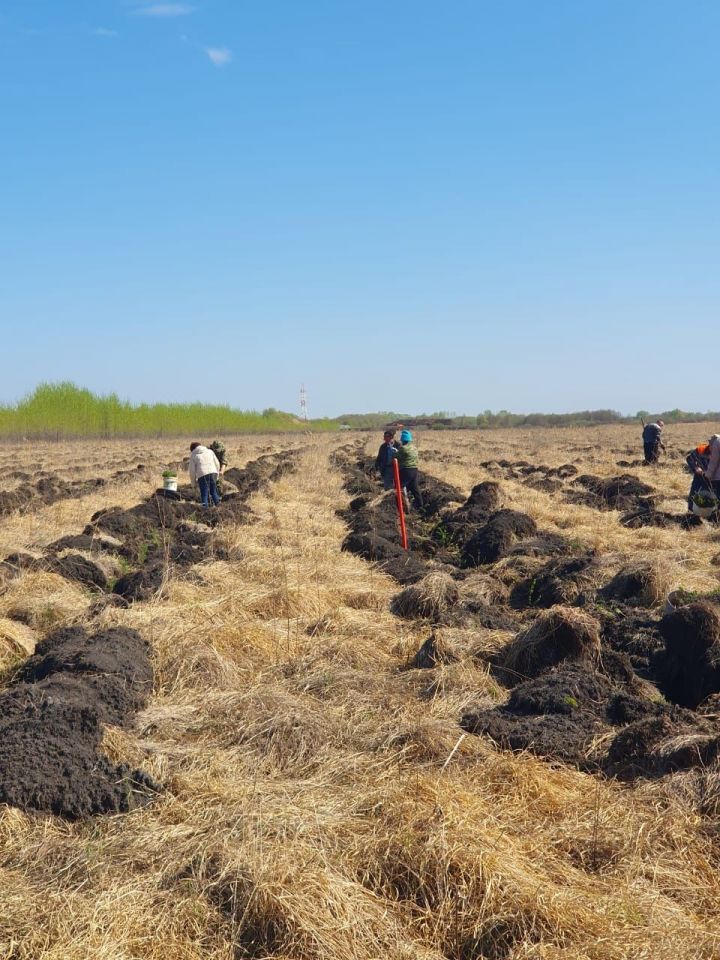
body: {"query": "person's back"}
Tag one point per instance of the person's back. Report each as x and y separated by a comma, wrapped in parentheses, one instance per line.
(202, 462)
(408, 460)
(652, 442)
(712, 473)
(218, 448)
(204, 468)
(408, 456)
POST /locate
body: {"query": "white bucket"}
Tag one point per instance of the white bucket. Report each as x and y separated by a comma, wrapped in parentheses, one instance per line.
(169, 483)
(703, 511)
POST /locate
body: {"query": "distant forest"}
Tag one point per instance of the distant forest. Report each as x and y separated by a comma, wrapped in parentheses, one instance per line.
(503, 419)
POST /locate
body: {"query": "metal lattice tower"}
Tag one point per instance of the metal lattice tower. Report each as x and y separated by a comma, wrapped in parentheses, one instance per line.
(303, 403)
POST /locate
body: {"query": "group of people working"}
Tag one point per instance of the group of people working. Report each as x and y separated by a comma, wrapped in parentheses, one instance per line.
(703, 462)
(407, 458)
(207, 464)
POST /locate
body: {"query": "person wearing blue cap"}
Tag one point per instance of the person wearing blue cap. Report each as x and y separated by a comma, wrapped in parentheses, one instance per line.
(408, 460)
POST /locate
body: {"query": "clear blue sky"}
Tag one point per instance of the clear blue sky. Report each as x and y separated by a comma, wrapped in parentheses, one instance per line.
(406, 204)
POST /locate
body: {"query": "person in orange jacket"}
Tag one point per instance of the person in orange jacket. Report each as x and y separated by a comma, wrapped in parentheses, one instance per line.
(698, 461)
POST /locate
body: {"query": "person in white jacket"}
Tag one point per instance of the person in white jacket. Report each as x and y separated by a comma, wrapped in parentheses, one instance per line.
(204, 468)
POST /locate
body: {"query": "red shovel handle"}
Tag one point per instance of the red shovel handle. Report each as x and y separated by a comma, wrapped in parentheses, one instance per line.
(400, 505)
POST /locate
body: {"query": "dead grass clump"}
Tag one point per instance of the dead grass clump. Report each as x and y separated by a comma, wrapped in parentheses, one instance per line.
(283, 730)
(456, 686)
(435, 650)
(646, 582)
(426, 741)
(560, 634)
(193, 665)
(43, 601)
(16, 639)
(428, 599)
(482, 588)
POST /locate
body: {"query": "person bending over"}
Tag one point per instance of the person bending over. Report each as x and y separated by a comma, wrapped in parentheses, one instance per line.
(652, 441)
(204, 468)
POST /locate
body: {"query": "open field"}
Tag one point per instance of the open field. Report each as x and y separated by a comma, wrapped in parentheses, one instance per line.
(303, 753)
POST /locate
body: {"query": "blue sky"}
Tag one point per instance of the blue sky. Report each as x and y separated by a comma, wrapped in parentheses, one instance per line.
(406, 205)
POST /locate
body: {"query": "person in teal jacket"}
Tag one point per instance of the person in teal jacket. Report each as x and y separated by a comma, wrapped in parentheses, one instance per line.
(408, 461)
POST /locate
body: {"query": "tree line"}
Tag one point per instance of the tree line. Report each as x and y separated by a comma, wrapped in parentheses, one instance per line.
(63, 410)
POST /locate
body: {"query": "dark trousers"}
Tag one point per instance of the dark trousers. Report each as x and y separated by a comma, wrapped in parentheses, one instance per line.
(698, 484)
(208, 489)
(409, 479)
(388, 478)
(652, 451)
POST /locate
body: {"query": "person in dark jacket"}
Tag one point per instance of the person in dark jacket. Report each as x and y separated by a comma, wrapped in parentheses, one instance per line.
(218, 448)
(384, 460)
(652, 441)
(408, 460)
(698, 461)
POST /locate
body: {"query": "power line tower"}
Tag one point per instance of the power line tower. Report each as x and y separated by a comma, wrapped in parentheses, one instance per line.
(303, 403)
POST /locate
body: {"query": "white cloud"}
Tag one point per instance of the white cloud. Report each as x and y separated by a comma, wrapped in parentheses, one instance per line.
(104, 32)
(220, 56)
(166, 10)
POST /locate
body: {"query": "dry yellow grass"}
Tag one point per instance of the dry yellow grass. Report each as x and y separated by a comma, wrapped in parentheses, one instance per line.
(321, 803)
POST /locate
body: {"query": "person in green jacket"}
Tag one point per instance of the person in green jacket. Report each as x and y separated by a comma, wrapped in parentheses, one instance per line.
(407, 457)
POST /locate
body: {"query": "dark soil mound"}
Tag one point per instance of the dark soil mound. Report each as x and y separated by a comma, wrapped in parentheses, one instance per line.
(560, 634)
(565, 690)
(625, 492)
(491, 616)
(51, 723)
(141, 584)
(559, 714)
(436, 494)
(405, 567)
(647, 516)
(82, 541)
(564, 471)
(552, 736)
(559, 581)
(369, 546)
(495, 538)
(630, 631)
(461, 524)
(545, 544)
(15, 562)
(688, 669)
(50, 760)
(73, 566)
(544, 484)
(670, 741)
(484, 496)
(117, 659)
(555, 716)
